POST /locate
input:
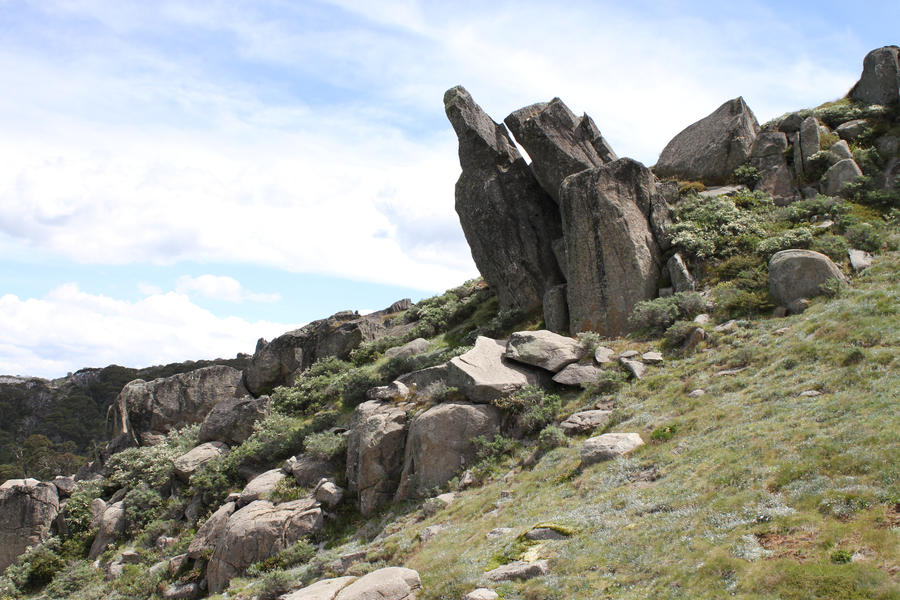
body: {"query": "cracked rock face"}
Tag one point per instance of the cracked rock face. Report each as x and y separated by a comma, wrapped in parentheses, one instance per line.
(27, 507)
(375, 452)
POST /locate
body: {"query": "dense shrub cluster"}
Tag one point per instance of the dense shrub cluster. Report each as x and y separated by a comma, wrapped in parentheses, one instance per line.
(714, 227)
(653, 317)
(534, 406)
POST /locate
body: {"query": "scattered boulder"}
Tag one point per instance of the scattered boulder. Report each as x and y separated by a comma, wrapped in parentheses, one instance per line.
(328, 493)
(636, 368)
(508, 220)
(390, 583)
(810, 139)
(682, 280)
(65, 485)
(604, 355)
(578, 374)
(257, 531)
(851, 130)
(556, 309)
(839, 175)
(423, 378)
(652, 358)
(375, 453)
(585, 421)
(393, 391)
(559, 143)
(440, 444)
(608, 446)
(308, 470)
(796, 274)
(260, 486)
(325, 589)
(841, 150)
(145, 411)
(539, 534)
(518, 570)
(880, 80)
(768, 157)
(231, 420)
(112, 525)
(544, 349)
(482, 594)
(27, 508)
(484, 374)
(416, 346)
(859, 259)
(711, 149)
(193, 459)
(433, 505)
(614, 259)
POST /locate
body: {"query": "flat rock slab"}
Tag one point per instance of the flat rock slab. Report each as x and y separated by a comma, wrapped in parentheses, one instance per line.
(391, 583)
(543, 349)
(608, 446)
(652, 358)
(326, 589)
(260, 486)
(484, 374)
(519, 570)
(585, 421)
(578, 374)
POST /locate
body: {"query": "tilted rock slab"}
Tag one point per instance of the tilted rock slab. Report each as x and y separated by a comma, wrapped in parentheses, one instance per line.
(796, 274)
(614, 259)
(195, 458)
(112, 525)
(484, 373)
(585, 421)
(144, 410)
(880, 80)
(440, 444)
(27, 508)
(375, 450)
(518, 570)
(231, 420)
(258, 487)
(258, 531)
(211, 531)
(768, 156)
(578, 374)
(839, 175)
(559, 143)
(608, 446)
(543, 349)
(391, 583)
(711, 149)
(325, 589)
(509, 221)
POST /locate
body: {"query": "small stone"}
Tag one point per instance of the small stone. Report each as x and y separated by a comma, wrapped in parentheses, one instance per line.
(578, 374)
(725, 327)
(329, 493)
(782, 330)
(430, 532)
(798, 306)
(859, 259)
(652, 358)
(482, 594)
(810, 394)
(628, 354)
(696, 393)
(608, 446)
(585, 421)
(604, 355)
(467, 480)
(539, 534)
(730, 372)
(634, 367)
(181, 591)
(164, 542)
(702, 319)
(386, 393)
(498, 532)
(823, 224)
(431, 506)
(518, 570)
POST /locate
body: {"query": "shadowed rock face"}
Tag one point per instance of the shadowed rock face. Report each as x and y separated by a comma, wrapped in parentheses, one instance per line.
(375, 453)
(711, 149)
(880, 80)
(613, 257)
(559, 143)
(509, 221)
(27, 507)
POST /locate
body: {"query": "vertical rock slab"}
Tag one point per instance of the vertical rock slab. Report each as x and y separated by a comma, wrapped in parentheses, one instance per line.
(27, 508)
(880, 80)
(509, 221)
(559, 143)
(375, 453)
(810, 139)
(440, 444)
(768, 156)
(613, 257)
(711, 149)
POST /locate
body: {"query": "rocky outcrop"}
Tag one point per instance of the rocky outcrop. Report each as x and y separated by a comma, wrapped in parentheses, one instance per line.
(796, 274)
(509, 221)
(711, 149)
(839, 175)
(768, 156)
(556, 309)
(375, 450)
(543, 349)
(682, 280)
(193, 459)
(880, 80)
(260, 487)
(231, 420)
(325, 589)
(27, 508)
(146, 410)
(211, 531)
(258, 531)
(484, 373)
(810, 139)
(559, 143)
(608, 446)
(440, 444)
(112, 525)
(614, 259)
(390, 583)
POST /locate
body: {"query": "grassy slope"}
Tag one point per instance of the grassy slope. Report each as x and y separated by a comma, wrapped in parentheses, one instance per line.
(753, 495)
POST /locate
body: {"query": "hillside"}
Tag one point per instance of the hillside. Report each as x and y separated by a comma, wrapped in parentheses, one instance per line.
(677, 382)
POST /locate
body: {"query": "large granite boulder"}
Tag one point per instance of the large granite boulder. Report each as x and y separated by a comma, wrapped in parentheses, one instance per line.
(509, 221)
(559, 143)
(27, 508)
(375, 449)
(326, 589)
(196, 457)
(231, 420)
(211, 531)
(390, 583)
(440, 444)
(880, 80)
(613, 257)
(258, 531)
(260, 487)
(543, 349)
(146, 410)
(796, 274)
(112, 525)
(608, 446)
(839, 175)
(484, 373)
(711, 149)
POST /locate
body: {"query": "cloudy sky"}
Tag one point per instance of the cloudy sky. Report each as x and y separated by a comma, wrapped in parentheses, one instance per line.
(178, 179)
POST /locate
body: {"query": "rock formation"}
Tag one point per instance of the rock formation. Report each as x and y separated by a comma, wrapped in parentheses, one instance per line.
(27, 508)
(880, 80)
(231, 420)
(484, 373)
(796, 274)
(375, 453)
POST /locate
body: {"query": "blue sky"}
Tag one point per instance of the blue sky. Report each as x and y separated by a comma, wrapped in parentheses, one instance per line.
(181, 178)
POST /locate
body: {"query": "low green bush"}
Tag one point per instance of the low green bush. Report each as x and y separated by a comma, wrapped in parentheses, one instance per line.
(653, 317)
(746, 175)
(535, 406)
(714, 227)
(678, 334)
(865, 236)
(325, 445)
(142, 505)
(552, 437)
(150, 465)
(33, 569)
(689, 188)
(833, 246)
(298, 553)
(800, 237)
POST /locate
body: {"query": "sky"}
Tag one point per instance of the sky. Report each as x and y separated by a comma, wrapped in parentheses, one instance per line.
(179, 179)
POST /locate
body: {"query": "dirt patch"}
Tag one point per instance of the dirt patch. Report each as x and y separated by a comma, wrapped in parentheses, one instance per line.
(793, 544)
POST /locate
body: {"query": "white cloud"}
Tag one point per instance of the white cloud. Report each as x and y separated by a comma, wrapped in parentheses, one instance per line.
(69, 329)
(221, 287)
